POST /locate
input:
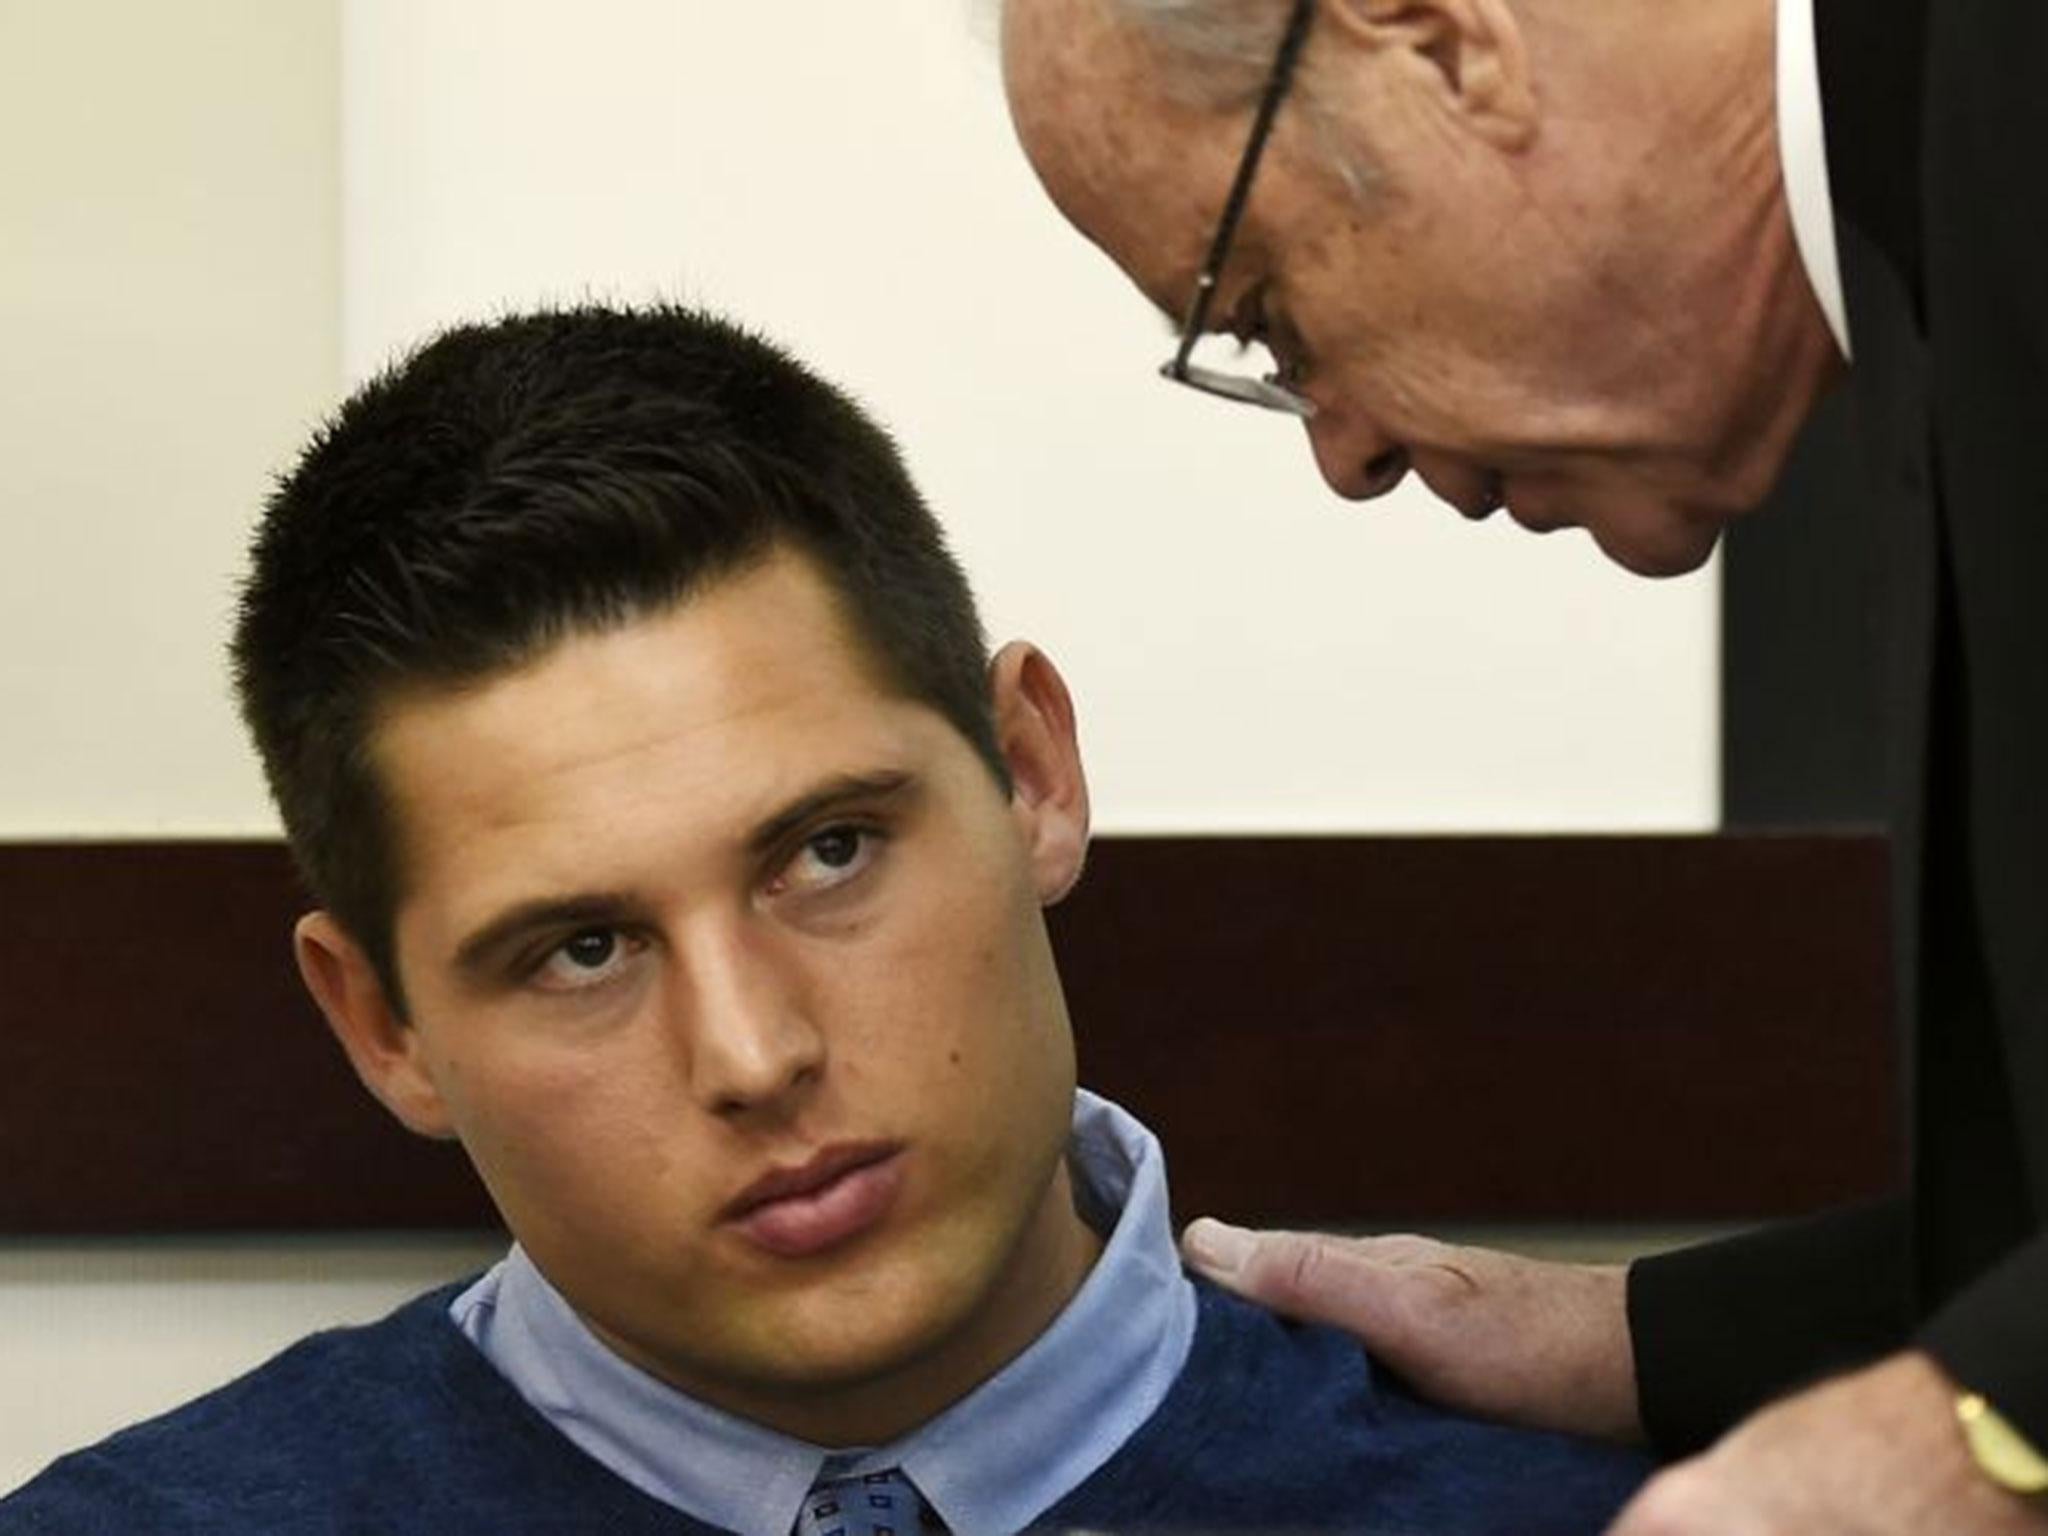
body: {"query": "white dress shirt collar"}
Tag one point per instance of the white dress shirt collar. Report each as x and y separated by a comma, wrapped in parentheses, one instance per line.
(1803, 159)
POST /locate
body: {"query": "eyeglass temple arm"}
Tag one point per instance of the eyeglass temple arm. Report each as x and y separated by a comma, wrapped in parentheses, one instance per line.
(1291, 43)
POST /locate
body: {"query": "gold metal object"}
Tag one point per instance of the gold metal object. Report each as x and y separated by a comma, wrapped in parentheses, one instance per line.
(2001, 1452)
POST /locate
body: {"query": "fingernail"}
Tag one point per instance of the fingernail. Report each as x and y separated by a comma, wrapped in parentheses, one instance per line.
(1214, 1247)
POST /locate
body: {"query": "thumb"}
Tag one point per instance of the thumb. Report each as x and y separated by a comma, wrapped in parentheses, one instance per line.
(1303, 1274)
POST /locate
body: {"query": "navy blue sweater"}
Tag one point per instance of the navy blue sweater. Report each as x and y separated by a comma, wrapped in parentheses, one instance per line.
(404, 1427)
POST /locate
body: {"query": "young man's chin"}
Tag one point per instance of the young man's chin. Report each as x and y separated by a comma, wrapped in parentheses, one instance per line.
(834, 1323)
(850, 1368)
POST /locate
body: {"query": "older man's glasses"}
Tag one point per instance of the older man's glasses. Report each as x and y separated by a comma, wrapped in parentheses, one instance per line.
(1269, 391)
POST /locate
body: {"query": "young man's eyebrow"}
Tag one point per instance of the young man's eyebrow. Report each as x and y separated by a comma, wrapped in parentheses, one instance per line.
(885, 784)
(480, 951)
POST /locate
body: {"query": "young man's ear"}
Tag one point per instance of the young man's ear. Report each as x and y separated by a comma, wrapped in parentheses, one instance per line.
(1049, 792)
(1469, 56)
(386, 1052)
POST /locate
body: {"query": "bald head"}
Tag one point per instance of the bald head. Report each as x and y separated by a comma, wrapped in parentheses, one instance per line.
(1114, 85)
(1208, 52)
(1133, 113)
(1093, 101)
(1574, 292)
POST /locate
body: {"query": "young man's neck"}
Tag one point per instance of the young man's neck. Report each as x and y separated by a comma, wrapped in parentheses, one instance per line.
(1053, 1258)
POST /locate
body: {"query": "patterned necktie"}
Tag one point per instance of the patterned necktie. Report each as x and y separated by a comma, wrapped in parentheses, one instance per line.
(876, 1504)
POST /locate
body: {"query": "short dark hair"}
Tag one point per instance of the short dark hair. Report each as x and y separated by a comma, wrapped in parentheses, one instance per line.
(510, 484)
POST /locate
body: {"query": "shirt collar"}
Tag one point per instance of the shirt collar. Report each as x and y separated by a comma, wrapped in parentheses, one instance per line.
(1073, 1397)
(1803, 160)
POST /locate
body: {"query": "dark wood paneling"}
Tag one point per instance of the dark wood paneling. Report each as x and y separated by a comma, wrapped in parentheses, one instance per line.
(1377, 1030)
(161, 1069)
(1331, 1029)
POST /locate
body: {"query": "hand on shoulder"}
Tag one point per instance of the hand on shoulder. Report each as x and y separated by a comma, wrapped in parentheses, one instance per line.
(1493, 1334)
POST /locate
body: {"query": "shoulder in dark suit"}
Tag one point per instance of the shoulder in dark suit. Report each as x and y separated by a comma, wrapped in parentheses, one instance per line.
(1937, 118)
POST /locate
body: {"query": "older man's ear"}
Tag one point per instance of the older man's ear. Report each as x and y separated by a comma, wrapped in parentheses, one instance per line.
(1466, 59)
(1034, 717)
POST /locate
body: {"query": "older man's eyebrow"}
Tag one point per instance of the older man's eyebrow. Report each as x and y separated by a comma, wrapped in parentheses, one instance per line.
(834, 794)
(486, 946)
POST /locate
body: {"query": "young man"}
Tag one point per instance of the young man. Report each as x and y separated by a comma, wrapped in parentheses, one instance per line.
(681, 852)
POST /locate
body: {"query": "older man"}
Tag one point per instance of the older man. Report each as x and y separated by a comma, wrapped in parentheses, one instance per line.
(1594, 261)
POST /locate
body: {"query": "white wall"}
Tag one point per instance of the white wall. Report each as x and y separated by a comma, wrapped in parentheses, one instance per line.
(169, 248)
(169, 327)
(1248, 653)
(214, 212)
(844, 176)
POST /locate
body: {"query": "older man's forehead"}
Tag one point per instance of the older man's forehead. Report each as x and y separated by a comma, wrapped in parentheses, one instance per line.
(1140, 172)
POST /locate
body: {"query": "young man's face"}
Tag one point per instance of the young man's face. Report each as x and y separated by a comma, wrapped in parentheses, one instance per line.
(700, 903)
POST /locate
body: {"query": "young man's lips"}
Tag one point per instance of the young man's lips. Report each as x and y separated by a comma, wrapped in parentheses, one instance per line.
(831, 1199)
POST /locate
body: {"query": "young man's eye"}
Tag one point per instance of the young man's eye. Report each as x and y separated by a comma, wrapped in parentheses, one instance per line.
(588, 958)
(828, 858)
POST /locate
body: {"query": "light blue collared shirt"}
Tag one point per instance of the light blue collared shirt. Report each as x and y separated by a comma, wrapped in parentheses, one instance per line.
(993, 1461)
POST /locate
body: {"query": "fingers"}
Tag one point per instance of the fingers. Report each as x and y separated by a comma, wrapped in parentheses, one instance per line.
(1303, 1274)
(1494, 1334)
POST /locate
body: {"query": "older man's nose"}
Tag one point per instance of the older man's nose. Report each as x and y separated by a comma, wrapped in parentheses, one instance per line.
(1357, 460)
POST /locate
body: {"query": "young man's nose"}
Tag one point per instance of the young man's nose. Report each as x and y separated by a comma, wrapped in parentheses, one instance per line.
(745, 1031)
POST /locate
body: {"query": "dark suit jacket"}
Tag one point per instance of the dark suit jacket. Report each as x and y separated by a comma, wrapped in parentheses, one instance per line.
(1937, 126)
